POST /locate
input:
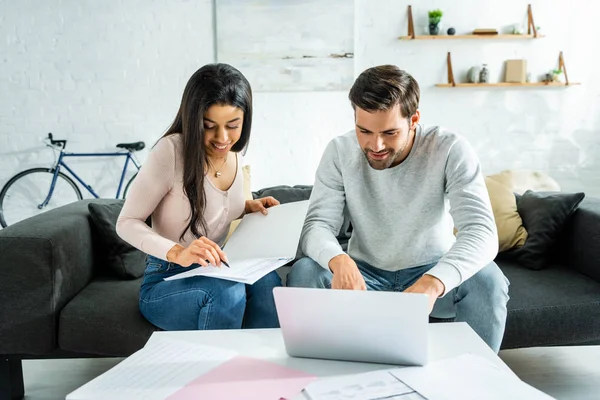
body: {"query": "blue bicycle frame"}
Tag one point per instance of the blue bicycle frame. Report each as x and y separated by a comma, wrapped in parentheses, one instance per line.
(128, 157)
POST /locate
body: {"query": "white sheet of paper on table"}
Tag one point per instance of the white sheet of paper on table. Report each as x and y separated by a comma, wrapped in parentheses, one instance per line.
(466, 377)
(158, 370)
(260, 244)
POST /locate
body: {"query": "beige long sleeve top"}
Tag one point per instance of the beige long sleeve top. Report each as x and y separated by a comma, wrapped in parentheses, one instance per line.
(158, 192)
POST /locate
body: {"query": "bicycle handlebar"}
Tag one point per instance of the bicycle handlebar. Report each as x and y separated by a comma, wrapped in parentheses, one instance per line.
(59, 143)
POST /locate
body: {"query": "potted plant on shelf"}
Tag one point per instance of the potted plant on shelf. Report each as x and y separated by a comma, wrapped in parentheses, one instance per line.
(553, 76)
(556, 75)
(435, 16)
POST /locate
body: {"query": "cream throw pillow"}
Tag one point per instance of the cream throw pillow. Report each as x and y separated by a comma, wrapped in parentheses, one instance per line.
(511, 232)
(519, 181)
(247, 196)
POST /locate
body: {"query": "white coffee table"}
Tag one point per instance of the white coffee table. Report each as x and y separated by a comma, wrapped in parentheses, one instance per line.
(445, 340)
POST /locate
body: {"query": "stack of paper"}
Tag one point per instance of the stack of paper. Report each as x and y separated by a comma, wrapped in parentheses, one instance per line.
(466, 377)
(248, 379)
(180, 370)
(260, 244)
(154, 372)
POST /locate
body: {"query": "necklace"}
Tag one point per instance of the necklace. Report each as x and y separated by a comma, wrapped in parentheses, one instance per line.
(218, 171)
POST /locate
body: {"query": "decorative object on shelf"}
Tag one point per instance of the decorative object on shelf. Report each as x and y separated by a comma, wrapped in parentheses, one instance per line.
(484, 35)
(451, 31)
(473, 75)
(484, 74)
(554, 75)
(516, 30)
(561, 62)
(435, 17)
(485, 32)
(528, 79)
(516, 71)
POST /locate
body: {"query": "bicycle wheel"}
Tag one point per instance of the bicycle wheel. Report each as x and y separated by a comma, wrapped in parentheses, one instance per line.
(24, 193)
(128, 186)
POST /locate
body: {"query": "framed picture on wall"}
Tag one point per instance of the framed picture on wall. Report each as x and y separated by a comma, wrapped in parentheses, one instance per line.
(288, 45)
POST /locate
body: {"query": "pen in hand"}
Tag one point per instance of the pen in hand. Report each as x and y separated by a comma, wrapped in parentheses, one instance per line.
(222, 262)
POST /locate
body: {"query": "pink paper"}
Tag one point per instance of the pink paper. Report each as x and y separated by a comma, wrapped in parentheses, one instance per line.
(244, 378)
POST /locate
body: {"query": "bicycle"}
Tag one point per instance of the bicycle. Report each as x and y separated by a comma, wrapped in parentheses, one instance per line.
(36, 190)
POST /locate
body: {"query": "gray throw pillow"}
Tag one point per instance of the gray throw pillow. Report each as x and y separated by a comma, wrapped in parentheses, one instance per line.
(120, 257)
(544, 215)
(285, 194)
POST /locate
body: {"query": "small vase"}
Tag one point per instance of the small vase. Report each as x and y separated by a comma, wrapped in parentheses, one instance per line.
(473, 75)
(484, 74)
(434, 29)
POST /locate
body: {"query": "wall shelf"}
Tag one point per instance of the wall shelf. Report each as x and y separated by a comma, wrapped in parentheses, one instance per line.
(532, 32)
(561, 66)
(471, 36)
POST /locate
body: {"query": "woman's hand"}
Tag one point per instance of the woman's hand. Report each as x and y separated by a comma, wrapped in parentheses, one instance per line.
(201, 251)
(260, 205)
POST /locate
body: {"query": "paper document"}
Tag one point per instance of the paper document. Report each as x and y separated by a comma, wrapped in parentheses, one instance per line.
(367, 386)
(260, 244)
(245, 271)
(154, 372)
(246, 378)
(466, 377)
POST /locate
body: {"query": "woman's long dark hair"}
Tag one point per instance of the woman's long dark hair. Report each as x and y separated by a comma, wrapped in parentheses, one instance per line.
(212, 84)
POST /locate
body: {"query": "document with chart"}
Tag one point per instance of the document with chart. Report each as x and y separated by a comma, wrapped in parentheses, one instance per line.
(462, 377)
(259, 245)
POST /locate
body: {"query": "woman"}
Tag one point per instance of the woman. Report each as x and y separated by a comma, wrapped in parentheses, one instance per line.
(192, 187)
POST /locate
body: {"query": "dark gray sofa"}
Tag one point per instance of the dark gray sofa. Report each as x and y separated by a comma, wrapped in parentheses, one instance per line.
(58, 301)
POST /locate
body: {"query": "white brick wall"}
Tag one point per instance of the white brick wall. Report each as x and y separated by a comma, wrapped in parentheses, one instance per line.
(95, 74)
(98, 75)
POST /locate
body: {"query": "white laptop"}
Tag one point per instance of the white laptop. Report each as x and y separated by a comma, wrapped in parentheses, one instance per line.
(352, 325)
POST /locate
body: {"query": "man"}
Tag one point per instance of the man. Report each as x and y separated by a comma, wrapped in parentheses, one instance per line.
(396, 179)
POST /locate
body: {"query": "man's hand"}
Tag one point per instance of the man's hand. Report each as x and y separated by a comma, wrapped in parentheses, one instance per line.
(346, 274)
(260, 205)
(429, 285)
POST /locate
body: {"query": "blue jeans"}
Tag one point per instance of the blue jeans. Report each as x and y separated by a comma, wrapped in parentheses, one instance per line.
(480, 300)
(204, 303)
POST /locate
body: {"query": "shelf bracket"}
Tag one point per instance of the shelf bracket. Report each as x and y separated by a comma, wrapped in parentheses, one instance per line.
(450, 72)
(563, 67)
(411, 24)
(530, 23)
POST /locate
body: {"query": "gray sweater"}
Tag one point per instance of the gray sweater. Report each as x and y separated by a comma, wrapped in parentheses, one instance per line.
(404, 216)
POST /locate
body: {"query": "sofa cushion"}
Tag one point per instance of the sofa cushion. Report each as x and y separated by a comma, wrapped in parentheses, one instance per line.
(544, 216)
(521, 180)
(285, 194)
(511, 232)
(123, 259)
(104, 318)
(553, 306)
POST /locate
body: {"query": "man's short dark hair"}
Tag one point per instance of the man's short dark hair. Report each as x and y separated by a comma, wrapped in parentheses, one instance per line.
(382, 87)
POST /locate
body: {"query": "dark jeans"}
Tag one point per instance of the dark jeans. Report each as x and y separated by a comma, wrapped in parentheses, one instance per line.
(203, 303)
